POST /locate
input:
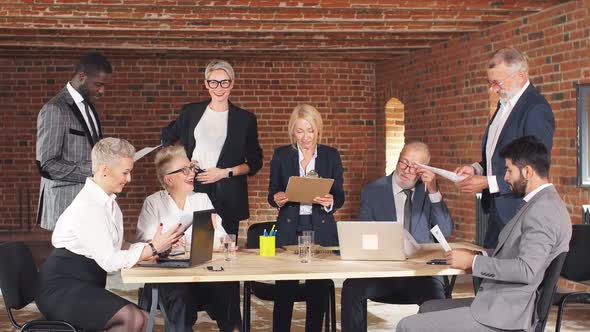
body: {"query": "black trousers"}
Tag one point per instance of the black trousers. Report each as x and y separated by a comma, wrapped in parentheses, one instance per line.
(231, 226)
(316, 292)
(181, 302)
(355, 293)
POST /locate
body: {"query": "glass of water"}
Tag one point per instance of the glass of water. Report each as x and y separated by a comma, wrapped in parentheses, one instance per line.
(304, 247)
(229, 247)
(311, 235)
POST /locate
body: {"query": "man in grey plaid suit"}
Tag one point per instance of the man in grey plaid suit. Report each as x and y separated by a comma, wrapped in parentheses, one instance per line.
(67, 129)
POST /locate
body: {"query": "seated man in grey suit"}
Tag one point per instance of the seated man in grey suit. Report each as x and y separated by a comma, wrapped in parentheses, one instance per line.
(409, 195)
(539, 232)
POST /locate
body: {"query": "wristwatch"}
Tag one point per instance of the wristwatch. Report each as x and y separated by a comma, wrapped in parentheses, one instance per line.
(230, 172)
(154, 251)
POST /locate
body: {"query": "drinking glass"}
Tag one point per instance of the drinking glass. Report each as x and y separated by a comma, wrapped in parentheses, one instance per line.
(229, 247)
(311, 235)
(304, 247)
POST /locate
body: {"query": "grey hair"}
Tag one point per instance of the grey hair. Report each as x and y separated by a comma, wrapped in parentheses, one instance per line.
(513, 59)
(417, 146)
(220, 65)
(108, 150)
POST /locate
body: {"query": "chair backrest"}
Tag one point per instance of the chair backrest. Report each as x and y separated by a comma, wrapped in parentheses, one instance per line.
(577, 265)
(254, 231)
(18, 275)
(547, 290)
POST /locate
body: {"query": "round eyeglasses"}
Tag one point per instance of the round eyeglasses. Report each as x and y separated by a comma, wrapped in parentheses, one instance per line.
(405, 166)
(213, 84)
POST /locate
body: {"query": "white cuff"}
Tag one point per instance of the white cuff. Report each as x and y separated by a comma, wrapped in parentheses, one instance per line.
(436, 197)
(329, 208)
(493, 184)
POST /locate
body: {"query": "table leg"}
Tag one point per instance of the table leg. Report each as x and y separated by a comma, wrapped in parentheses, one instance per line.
(246, 307)
(153, 308)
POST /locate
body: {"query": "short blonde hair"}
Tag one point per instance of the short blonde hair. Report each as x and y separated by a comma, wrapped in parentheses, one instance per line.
(512, 58)
(220, 65)
(163, 159)
(311, 115)
(108, 150)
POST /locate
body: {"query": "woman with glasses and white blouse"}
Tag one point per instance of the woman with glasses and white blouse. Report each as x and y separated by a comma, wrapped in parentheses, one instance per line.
(302, 157)
(88, 240)
(168, 207)
(223, 140)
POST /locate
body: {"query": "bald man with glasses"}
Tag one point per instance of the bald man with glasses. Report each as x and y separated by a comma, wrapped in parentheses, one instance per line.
(521, 111)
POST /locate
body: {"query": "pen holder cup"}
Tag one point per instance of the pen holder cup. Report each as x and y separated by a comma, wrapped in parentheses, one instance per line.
(267, 246)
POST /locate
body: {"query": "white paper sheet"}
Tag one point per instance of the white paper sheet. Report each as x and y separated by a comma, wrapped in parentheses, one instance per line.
(444, 173)
(143, 152)
(440, 238)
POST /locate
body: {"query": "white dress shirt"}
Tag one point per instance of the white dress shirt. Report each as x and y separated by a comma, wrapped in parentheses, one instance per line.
(79, 100)
(494, 134)
(159, 208)
(92, 226)
(306, 209)
(210, 134)
(400, 198)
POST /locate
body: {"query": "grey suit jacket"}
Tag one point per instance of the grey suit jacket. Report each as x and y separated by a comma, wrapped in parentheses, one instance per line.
(63, 150)
(539, 232)
(378, 204)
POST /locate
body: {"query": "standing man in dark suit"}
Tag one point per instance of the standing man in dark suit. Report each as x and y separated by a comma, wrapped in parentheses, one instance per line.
(223, 140)
(409, 195)
(67, 129)
(521, 111)
(512, 273)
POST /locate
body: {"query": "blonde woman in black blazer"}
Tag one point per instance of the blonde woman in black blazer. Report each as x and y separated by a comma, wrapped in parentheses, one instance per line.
(223, 139)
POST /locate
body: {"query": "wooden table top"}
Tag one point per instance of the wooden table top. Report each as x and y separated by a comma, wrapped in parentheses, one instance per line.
(249, 266)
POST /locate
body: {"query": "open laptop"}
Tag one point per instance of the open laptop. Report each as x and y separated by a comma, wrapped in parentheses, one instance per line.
(201, 244)
(371, 240)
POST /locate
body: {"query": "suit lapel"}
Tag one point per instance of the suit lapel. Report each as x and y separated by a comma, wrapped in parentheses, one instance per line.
(232, 124)
(417, 203)
(78, 115)
(194, 119)
(293, 162)
(518, 108)
(389, 199)
(320, 163)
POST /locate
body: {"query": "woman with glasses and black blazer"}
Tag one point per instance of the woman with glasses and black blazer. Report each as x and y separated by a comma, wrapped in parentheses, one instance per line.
(223, 140)
(304, 156)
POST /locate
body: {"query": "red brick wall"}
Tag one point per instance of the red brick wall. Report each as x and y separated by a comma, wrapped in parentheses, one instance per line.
(447, 102)
(147, 93)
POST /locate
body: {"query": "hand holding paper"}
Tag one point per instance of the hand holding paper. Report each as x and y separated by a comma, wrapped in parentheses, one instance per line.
(442, 172)
(440, 238)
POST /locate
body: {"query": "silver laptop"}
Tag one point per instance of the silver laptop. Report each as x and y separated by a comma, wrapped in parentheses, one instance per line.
(371, 240)
(201, 244)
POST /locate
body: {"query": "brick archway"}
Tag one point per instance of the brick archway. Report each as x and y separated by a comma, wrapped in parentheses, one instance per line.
(394, 132)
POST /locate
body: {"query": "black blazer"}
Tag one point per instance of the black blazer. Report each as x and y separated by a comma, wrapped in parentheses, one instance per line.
(531, 115)
(229, 196)
(284, 164)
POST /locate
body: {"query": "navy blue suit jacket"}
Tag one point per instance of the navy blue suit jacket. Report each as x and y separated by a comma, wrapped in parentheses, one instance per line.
(378, 204)
(532, 116)
(284, 164)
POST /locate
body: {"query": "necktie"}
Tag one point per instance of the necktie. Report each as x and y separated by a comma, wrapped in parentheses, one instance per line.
(408, 210)
(90, 122)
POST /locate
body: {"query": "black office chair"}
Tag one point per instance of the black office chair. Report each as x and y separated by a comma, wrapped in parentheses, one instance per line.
(265, 291)
(547, 290)
(19, 284)
(576, 268)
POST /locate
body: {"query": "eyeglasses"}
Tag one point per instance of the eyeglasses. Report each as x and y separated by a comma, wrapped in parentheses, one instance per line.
(213, 84)
(405, 166)
(186, 170)
(500, 83)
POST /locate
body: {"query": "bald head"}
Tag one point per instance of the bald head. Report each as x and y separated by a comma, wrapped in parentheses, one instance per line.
(418, 151)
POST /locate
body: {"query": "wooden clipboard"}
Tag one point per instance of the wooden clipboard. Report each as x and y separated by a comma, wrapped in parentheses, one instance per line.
(304, 190)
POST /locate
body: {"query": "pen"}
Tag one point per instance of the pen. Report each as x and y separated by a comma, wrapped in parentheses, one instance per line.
(275, 233)
(272, 229)
(265, 233)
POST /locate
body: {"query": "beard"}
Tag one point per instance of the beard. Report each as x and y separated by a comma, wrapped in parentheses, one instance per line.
(505, 95)
(519, 187)
(84, 92)
(405, 184)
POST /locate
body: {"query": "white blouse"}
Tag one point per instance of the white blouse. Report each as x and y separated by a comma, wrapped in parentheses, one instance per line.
(159, 208)
(210, 134)
(92, 226)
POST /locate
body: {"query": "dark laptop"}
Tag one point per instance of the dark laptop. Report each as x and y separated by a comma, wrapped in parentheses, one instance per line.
(201, 244)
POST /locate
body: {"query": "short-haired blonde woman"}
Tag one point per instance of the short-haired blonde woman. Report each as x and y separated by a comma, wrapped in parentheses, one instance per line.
(303, 156)
(223, 140)
(168, 207)
(88, 240)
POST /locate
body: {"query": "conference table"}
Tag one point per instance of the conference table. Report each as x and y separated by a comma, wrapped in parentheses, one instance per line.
(250, 266)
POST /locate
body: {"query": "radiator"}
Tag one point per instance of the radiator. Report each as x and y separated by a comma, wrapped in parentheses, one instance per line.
(481, 221)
